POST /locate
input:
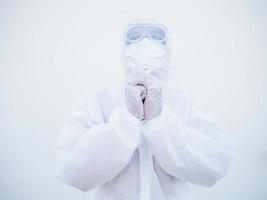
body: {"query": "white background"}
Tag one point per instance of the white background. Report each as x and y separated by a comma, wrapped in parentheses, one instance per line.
(52, 52)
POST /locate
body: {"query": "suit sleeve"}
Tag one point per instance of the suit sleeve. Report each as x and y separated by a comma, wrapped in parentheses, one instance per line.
(194, 150)
(90, 151)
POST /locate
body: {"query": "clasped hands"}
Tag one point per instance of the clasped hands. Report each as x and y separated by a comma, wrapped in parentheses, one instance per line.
(143, 102)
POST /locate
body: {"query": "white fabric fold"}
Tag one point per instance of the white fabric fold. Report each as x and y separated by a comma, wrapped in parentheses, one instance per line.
(89, 157)
(186, 152)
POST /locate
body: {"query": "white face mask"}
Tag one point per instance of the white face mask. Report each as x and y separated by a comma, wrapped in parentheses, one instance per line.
(146, 63)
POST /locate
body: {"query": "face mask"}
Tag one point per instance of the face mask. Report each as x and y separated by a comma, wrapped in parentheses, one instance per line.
(146, 63)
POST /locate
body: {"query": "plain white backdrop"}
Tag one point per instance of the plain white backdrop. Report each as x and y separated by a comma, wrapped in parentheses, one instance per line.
(52, 52)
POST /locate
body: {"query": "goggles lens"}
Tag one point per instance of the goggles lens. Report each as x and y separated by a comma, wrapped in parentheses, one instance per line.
(158, 34)
(135, 33)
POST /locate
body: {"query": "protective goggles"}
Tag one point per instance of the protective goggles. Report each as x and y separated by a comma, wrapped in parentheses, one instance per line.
(155, 32)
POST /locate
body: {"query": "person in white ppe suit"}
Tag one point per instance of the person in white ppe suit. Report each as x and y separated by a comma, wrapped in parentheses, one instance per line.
(143, 141)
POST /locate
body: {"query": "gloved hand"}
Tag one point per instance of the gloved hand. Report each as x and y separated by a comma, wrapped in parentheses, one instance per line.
(152, 104)
(134, 94)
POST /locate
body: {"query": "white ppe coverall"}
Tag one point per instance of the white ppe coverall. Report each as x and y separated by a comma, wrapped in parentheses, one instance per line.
(104, 147)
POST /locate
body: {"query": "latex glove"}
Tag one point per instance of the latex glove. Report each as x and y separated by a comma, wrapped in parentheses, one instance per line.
(134, 96)
(152, 103)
